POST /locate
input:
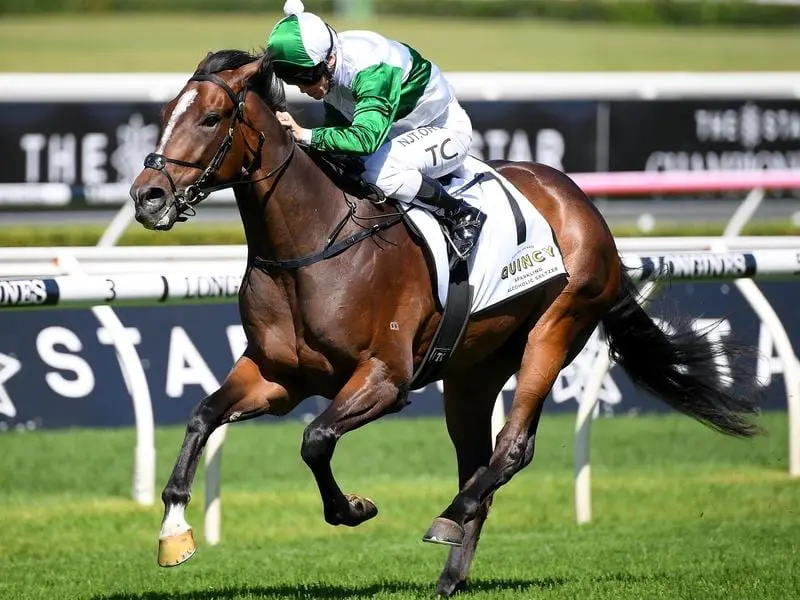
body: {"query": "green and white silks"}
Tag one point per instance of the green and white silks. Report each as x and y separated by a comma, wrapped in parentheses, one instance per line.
(380, 90)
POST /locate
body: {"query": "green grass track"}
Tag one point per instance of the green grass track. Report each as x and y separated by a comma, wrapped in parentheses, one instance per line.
(177, 42)
(680, 512)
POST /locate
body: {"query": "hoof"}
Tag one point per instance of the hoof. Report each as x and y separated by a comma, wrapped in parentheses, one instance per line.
(176, 549)
(448, 589)
(364, 507)
(444, 531)
(359, 509)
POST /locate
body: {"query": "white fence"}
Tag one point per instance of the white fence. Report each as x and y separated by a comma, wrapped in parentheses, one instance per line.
(160, 87)
(114, 275)
(619, 183)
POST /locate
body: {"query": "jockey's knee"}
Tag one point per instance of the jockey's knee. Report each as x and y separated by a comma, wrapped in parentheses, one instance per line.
(400, 183)
(452, 153)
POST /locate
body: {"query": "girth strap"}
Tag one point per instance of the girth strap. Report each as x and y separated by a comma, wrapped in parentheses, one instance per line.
(450, 330)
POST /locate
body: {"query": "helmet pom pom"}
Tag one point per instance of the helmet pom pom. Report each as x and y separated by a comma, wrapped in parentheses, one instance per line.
(293, 7)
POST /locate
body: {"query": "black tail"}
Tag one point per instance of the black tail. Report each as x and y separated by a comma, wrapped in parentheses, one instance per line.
(680, 368)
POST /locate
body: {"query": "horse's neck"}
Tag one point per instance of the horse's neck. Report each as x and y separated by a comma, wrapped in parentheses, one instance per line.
(291, 214)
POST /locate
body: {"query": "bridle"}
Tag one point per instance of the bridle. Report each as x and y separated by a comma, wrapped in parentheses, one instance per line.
(192, 194)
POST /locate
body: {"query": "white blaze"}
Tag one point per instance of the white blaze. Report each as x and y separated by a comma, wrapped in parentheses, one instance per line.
(184, 102)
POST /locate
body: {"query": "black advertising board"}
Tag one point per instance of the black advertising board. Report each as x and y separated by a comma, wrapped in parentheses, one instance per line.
(704, 135)
(76, 143)
(59, 369)
(95, 144)
(562, 134)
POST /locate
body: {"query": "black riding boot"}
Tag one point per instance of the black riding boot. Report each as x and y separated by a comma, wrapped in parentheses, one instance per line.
(464, 221)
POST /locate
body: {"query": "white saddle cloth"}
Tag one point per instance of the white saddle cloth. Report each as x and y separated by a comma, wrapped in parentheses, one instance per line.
(516, 250)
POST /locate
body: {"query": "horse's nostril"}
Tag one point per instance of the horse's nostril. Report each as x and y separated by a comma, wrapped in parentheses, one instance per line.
(151, 195)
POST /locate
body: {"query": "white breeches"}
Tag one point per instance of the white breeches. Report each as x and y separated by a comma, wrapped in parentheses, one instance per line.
(435, 150)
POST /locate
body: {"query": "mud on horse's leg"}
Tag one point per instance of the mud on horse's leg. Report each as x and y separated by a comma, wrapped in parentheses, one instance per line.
(545, 353)
(243, 395)
(371, 392)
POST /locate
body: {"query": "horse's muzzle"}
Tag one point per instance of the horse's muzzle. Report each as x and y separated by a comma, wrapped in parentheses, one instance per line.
(152, 209)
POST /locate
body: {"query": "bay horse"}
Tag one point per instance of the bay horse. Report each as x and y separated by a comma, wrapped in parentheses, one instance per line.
(354, 327)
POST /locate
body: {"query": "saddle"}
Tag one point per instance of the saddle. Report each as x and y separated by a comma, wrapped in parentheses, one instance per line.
(346, 172)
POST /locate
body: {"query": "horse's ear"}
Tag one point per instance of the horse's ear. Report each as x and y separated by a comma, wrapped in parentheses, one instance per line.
(202, 62)
(258, 75)
(246, 72)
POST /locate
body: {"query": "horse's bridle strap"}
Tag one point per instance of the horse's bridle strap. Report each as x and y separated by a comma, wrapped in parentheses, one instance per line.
(200, 190)
(186, 198)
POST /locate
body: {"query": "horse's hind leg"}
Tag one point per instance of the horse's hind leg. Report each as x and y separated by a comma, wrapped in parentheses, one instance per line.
(565, 325)
(244, 394)
(468, 404)
(371, 392)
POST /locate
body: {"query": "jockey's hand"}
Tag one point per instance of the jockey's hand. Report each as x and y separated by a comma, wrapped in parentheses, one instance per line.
(301, 134)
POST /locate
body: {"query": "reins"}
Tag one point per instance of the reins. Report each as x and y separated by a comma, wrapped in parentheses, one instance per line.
(191, 195)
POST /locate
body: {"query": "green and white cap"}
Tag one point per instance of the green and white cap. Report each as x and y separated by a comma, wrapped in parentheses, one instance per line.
(301, 39)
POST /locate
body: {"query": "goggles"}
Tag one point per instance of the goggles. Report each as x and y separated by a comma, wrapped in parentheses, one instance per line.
(294, 75)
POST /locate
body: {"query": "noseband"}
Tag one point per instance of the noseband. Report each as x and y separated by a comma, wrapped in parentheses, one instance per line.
(192, 194)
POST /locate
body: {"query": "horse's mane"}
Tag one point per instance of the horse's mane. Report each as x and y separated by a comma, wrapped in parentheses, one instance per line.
(264, 83)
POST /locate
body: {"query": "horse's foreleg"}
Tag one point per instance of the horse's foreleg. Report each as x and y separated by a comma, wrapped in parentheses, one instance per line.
(546, 351)
(468, 404)
(370, 393)
(244, 394)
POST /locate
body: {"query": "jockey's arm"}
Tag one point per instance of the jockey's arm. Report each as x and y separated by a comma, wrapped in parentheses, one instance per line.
(377, 94)
(333, 118)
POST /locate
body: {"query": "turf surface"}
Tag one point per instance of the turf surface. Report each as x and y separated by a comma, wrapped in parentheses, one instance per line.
(194, 233)
(177, 42)
(680, 512)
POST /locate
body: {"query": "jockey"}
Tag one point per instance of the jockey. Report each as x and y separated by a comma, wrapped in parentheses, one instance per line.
(385, 102)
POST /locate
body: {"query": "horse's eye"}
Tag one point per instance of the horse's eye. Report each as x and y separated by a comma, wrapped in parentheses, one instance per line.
(210, 120)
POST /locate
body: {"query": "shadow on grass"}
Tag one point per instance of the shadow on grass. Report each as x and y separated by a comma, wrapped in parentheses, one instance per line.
(335, 592)
(369, 590)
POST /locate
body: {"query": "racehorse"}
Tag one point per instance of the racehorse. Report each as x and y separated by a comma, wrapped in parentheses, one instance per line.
(354, 324)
